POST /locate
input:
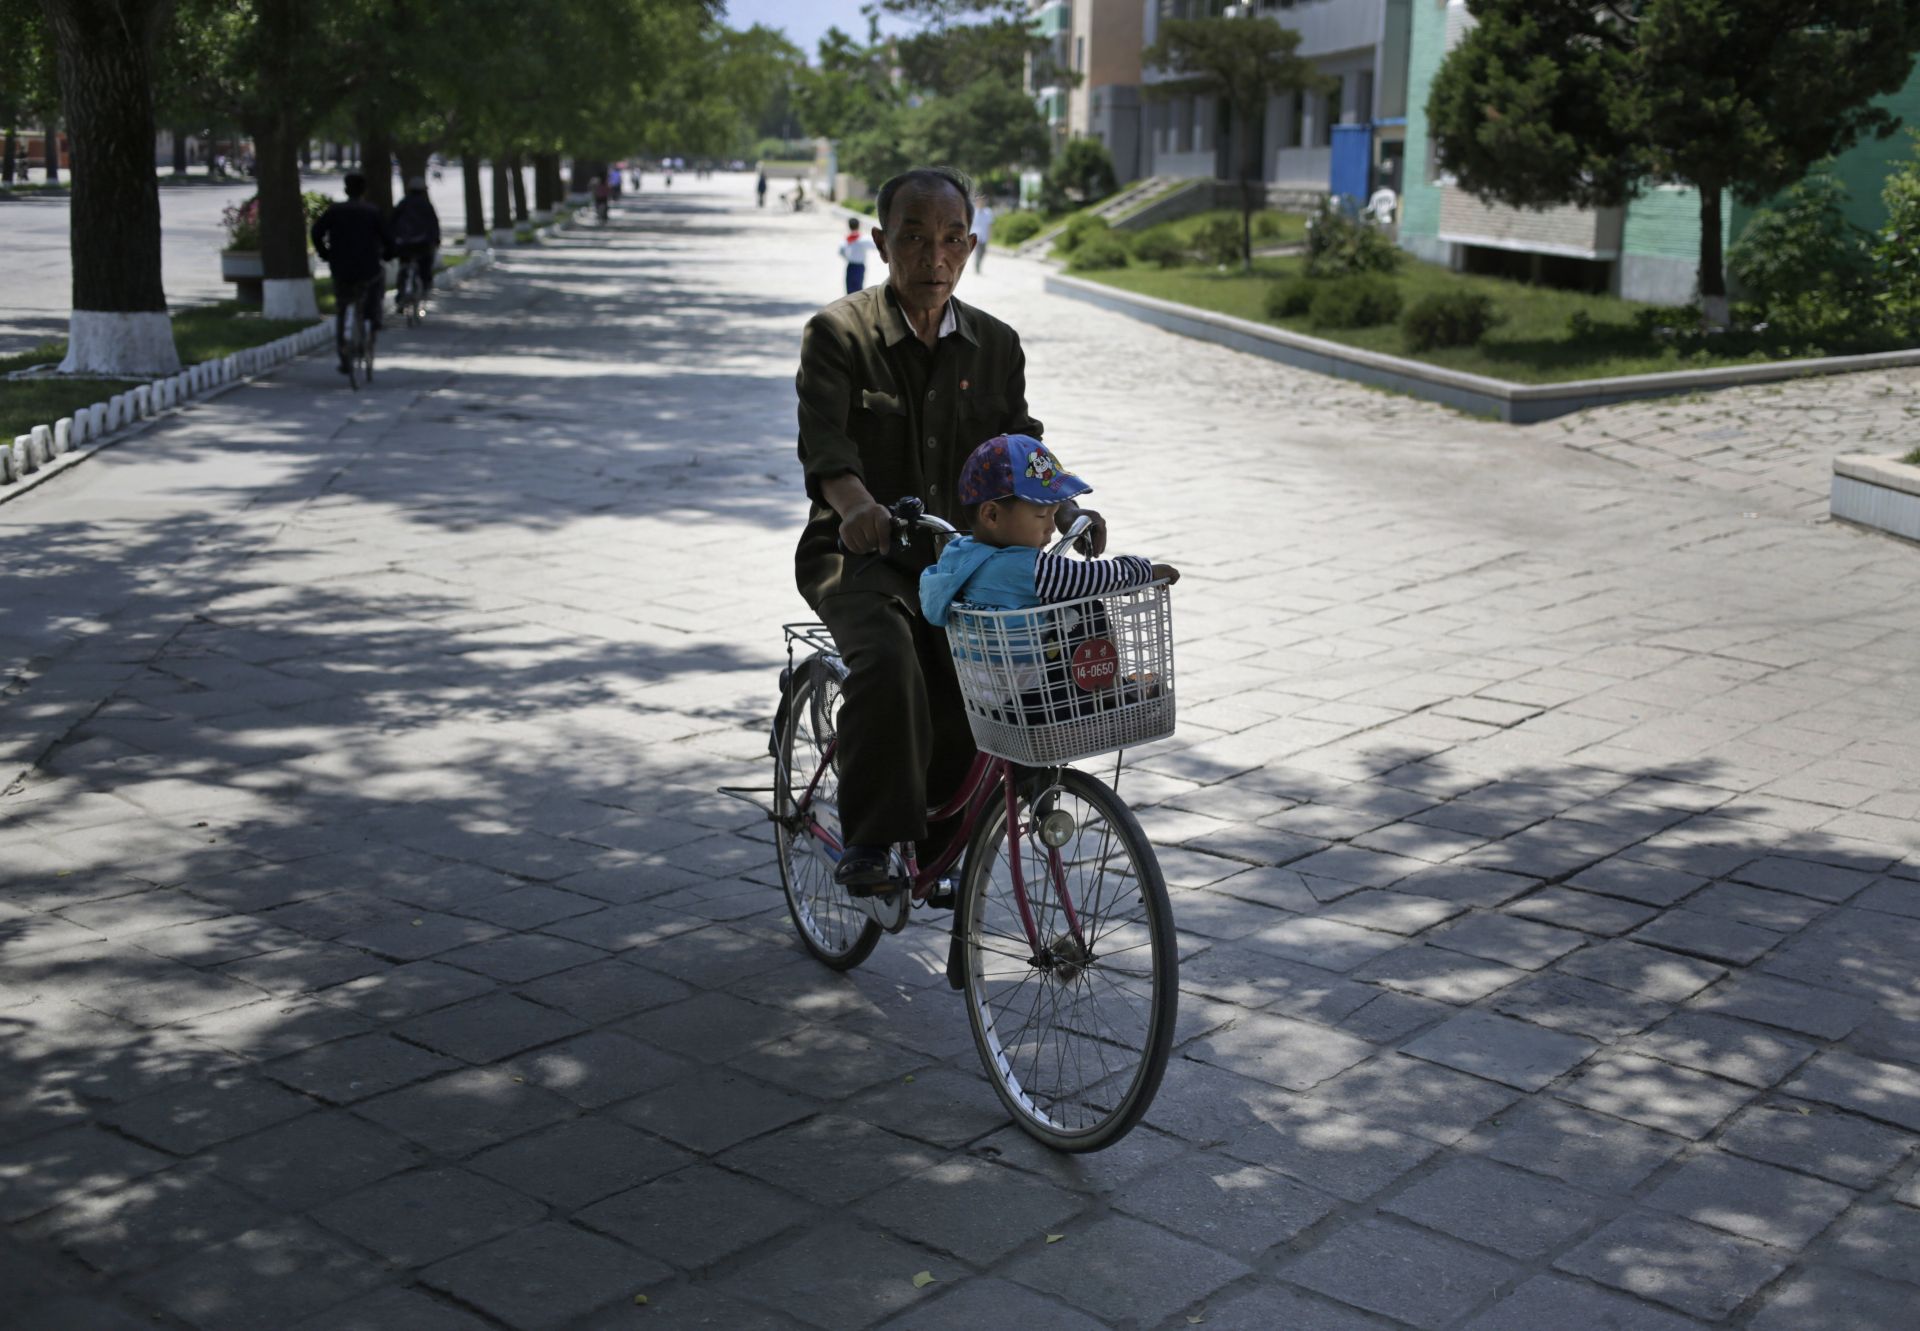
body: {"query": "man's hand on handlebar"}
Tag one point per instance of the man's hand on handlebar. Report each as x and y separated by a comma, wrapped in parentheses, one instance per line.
(867, 528)
(1166, 573)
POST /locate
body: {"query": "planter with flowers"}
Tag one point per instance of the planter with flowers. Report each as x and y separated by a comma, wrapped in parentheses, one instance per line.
(240, 261)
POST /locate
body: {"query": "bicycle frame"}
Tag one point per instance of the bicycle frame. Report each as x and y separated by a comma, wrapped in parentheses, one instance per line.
(968, 803)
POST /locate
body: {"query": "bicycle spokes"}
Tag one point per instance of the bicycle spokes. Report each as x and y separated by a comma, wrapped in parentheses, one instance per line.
(1070, 964)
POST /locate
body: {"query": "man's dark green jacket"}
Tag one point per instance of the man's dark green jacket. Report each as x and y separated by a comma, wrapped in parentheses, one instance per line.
(876, 402)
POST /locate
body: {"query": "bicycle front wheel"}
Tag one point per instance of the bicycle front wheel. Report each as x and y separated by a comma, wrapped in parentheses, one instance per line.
(837, 932)
(1075, 1035)
(356, 329)
(367, 335)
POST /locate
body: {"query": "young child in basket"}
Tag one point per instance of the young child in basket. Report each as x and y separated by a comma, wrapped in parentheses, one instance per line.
(1011, 487)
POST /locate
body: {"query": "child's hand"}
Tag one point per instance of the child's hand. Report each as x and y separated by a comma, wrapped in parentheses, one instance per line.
(1166, 573)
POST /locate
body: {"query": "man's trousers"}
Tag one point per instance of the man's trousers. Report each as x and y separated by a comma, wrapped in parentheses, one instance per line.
(904, 740)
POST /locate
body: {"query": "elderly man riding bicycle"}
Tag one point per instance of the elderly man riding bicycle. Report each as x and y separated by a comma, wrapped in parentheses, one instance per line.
(898, 384)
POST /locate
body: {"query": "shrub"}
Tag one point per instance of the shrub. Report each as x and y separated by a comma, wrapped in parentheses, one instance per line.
(1083, 170)
(1160, 246)
(1448, 319)
(1016, 228)
(1896, 251)
(1800, 255)
(1292, 298)
(1081, 228)
(242, 221)
(1218, 241)
(1103, 250)
(1338, 244)
(1359, 300)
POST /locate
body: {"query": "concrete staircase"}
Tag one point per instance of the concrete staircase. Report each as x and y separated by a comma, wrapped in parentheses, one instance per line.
(1112, 209)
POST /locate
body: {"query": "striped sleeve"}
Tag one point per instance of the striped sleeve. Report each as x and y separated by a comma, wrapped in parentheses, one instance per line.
(1057, 578)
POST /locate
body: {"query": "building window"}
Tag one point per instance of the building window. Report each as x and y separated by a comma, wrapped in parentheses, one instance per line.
(1080, 54)
(1330, 112)
(1297, 120)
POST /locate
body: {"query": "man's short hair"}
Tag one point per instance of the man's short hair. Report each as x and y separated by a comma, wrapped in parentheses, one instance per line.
(355, 184)
(924, 177)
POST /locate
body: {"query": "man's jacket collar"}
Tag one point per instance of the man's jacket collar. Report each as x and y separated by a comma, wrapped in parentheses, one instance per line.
(891, 322)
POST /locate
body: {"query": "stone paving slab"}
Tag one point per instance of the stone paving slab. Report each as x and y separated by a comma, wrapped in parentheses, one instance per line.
(375, 953)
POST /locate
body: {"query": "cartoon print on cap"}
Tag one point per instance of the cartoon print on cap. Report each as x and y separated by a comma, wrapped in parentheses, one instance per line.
(1042, 467)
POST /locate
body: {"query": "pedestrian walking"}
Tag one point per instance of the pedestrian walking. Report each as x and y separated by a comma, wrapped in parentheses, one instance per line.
(854, 250)
(613, 179)
(982, 234)
(602, 196)
(760, 190)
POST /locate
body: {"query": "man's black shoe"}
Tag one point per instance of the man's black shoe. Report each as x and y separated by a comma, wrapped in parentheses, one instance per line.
(863, 871)
(343, 367)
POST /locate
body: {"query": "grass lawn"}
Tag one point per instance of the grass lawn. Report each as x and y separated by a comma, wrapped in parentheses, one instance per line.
(1283, 228)
(200, 332)
(1532, 344)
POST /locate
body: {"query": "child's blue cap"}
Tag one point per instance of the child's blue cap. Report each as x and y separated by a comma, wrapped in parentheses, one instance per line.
(1017, 465)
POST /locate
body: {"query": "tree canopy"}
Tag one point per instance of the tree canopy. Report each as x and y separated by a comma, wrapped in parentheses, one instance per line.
(952, 92)
(1549, 102)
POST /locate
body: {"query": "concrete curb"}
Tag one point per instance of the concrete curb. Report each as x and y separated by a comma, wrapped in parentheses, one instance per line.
(1881, 493)
(46, 451)
(1516, 404)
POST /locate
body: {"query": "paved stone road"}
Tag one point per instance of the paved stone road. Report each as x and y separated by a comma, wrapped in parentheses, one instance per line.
(1546, 836)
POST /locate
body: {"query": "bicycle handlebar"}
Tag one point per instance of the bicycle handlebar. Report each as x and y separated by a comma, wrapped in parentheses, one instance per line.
(911, 512)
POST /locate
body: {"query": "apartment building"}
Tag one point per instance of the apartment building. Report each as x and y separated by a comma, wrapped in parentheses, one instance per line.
(1349, 140)
(1104, 101)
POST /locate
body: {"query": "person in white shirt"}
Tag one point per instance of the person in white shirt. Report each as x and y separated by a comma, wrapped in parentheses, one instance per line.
(983, 231)
(854, 249)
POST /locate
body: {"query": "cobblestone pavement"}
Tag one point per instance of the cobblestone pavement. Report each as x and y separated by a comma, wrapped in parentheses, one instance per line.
(1771, 445)
(1545, 837)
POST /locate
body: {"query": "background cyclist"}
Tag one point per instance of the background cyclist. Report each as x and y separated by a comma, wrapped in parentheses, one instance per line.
(416, 233)
(353, 240)
(897, 385)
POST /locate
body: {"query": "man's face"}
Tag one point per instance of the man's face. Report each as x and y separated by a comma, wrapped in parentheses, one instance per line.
(926, 245)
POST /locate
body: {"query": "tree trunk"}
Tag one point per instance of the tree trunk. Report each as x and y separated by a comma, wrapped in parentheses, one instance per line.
(119, 323)
(306, 155)
(415, 160)
(288, 280)
(376, 148)
(517, 178)
(543, 191)
(9, 158)
(476, 203)
(180, 152)
(583, 173)
(502, 202)
(1713, 277)
(52, 162)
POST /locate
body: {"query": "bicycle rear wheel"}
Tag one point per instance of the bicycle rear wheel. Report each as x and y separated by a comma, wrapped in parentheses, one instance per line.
(838, 933)
(1075, 1039)
(368, 332)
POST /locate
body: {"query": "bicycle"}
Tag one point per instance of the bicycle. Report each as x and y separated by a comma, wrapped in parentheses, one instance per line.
(1062, 935)
(410, 299)
(359, 330)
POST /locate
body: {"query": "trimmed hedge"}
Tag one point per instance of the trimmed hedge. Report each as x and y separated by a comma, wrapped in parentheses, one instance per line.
(1097, 252)
(1016, 228)
(1448, 319)
(1359, 301)
(1161, 247)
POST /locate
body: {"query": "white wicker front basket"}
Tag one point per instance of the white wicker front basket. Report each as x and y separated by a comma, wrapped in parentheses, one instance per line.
(1060, 682)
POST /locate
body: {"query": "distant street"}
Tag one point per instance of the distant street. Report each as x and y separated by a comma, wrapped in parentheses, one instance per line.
(36, 281)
